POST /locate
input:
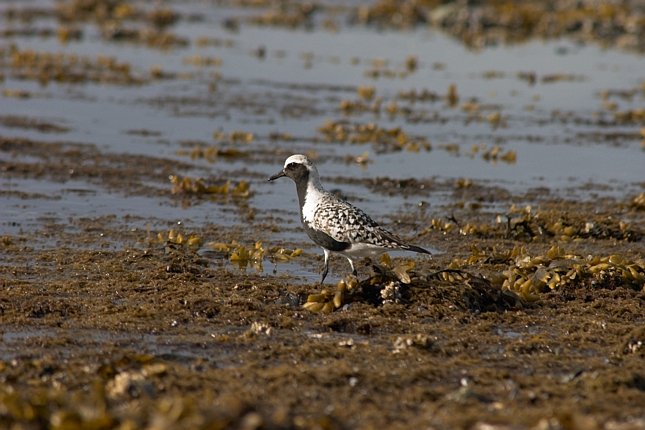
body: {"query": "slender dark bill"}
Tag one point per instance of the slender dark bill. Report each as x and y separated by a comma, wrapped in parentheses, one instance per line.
(277, 175)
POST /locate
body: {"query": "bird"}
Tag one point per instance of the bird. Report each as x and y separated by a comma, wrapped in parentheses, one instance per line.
(335, 224)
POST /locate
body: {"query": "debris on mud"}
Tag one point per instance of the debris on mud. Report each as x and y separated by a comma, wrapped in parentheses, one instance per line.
(191, 186)
(149, 278)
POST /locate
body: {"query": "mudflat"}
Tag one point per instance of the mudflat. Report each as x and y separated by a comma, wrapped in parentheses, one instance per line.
(150, 277)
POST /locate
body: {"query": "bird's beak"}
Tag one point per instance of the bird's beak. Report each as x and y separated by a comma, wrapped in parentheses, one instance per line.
(277, 175)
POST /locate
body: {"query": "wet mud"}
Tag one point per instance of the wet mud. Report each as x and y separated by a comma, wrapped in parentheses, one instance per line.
(151, 278)
(151, 333)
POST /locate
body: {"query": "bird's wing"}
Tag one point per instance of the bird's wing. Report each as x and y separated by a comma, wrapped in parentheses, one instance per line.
(347, 223)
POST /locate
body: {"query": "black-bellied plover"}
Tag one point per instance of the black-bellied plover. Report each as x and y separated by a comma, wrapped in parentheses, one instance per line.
(334, 224)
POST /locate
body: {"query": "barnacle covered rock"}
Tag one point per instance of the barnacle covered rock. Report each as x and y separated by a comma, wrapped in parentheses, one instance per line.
(392, 293)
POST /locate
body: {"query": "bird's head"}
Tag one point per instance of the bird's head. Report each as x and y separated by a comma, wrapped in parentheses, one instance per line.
(297, 167)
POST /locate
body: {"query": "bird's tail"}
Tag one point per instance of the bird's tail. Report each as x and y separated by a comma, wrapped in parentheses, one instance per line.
(417, 249)
(403, 245)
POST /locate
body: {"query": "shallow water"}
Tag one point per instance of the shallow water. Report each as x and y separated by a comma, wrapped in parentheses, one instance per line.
(553, 127)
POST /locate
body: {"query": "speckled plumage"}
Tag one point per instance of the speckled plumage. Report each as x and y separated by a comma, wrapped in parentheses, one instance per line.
(334, 224)
(347, 223)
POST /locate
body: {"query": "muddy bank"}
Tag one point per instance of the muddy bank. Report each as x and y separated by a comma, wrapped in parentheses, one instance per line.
(105, 326)
(152, 337)
(150, 277)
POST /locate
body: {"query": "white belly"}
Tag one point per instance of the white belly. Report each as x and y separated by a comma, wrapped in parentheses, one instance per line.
(360, 250)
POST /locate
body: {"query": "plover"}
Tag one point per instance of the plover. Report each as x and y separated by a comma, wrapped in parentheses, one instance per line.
(334, 224)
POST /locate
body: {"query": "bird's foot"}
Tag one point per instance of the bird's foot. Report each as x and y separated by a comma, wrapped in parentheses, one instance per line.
(328, 301)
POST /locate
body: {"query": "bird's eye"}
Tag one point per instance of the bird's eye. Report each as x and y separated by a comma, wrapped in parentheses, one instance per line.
(291, 166)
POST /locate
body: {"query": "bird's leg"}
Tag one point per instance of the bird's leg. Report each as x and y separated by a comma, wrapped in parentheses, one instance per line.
(328, 300)
(351, 263)
(325, 267)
